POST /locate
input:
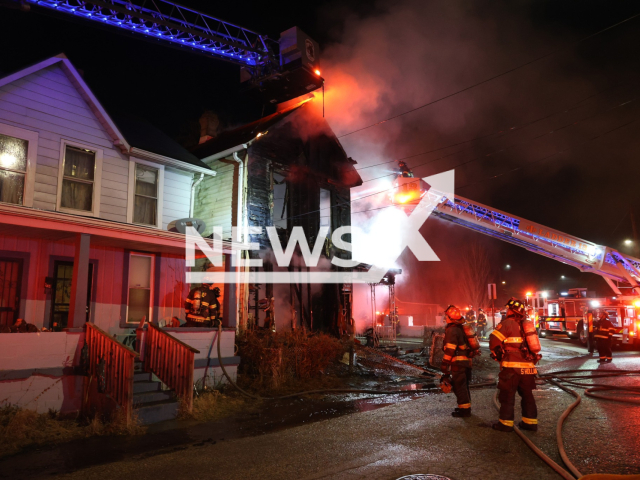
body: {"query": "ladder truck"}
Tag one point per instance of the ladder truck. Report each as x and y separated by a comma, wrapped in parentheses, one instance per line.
(273, 71)
(613, 266)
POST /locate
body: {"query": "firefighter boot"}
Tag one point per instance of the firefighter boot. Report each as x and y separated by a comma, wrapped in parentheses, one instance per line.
(528, 426)
(461, 412)
(501, 427)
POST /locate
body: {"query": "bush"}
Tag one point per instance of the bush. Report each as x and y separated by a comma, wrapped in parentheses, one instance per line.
(275, 360)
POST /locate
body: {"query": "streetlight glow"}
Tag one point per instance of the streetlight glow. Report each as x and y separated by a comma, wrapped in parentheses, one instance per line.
(628, 242)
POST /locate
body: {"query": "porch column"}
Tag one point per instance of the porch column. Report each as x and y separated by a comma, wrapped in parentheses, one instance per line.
(230, 300)
(78, 302)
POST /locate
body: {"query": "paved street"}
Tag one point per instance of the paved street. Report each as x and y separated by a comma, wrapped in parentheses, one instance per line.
(408, 437)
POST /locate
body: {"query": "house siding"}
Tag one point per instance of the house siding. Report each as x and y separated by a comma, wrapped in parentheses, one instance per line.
(109, 290)
(216, 199)
(177, 196)
(47, 102)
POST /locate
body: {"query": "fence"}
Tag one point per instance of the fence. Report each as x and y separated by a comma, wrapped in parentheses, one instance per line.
(172, 361)
(110, 370)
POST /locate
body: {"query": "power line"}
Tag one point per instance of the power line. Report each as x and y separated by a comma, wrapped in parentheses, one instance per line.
(487, 80)
(489, 178)
(545, 158)
(510, 146)
(502, 130)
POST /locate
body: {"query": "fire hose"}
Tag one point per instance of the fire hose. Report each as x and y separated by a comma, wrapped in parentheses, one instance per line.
(555, 378)
(310, 392)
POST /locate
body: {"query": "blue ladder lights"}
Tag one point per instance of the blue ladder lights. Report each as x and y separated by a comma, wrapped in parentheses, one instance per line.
(583, 255)
(175, 24)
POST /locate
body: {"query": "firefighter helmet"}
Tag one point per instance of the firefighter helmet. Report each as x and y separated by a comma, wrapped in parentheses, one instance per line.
(516, 306)
(453, 314)
(602, 315)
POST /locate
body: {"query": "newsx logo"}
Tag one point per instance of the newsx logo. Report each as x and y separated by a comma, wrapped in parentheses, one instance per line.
(440, 185)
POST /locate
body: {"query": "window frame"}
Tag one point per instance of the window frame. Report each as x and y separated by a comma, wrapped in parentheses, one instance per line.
(152, 285)
(97, 178)
(131, 191)
(32, 154)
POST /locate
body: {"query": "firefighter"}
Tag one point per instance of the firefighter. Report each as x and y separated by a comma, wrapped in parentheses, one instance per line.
(603, 333)
(482, 322)
(515, 344)
(202, 307)
(456, 363)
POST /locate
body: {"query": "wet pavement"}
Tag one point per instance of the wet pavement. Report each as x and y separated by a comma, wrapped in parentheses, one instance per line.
(359, 439)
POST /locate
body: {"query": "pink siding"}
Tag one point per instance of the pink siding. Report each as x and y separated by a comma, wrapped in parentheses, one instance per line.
(108, 287)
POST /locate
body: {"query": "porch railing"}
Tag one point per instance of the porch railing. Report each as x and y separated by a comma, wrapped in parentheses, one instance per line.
(116, 380)
(172, 361)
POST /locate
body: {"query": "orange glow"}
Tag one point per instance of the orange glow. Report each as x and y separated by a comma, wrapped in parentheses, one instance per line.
(637, 303)
(406, 197)
(528, 294)
(317, 72)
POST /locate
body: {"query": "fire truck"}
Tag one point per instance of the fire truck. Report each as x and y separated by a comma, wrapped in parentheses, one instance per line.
(566, 314)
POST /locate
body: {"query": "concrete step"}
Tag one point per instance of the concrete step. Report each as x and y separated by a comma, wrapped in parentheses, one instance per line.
(145, 386)
(157, 411)
(142, 398)
(141, 377)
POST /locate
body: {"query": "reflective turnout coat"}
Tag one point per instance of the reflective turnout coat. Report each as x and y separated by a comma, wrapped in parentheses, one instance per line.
(201, 307)
(509, 336)
(455, 348)
(604, 329)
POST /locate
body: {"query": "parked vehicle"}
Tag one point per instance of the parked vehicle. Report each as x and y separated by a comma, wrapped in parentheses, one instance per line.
(567, 314)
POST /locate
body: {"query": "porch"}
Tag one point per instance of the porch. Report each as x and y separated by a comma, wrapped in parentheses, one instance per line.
(132, 272)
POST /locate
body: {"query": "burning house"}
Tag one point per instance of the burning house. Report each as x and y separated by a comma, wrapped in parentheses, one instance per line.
(285, 170)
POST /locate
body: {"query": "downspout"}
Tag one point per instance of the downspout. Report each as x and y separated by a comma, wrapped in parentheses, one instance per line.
(242, 288)
(193, 194)
(240, 214)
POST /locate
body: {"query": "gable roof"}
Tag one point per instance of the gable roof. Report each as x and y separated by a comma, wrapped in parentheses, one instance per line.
(143, 138)
(142, 135)
(85, 92)
(228, 139)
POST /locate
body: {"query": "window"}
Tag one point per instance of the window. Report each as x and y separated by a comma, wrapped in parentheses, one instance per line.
(17, 165)
(140, 298)
(79, 179)
(325, 208)
(13, 169)
(145, 209)
(146, 185)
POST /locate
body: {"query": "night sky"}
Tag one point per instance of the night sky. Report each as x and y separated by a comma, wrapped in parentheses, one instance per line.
(383, 59)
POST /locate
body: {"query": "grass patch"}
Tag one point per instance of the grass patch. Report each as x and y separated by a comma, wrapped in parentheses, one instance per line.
(21, 429)
(213, 405)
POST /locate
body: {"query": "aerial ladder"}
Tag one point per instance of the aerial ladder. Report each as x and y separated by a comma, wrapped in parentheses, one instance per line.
(613, 266)
(275, 71)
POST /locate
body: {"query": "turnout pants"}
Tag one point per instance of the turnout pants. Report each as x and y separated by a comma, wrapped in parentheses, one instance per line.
(460, 378)
(481, 330)
(604, 348)
(591, 342)
(510, 382)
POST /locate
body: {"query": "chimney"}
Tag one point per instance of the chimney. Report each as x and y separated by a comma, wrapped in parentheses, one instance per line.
(209, 126)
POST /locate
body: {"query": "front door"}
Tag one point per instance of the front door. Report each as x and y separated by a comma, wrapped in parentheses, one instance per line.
(61, 296)
(10, 281)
